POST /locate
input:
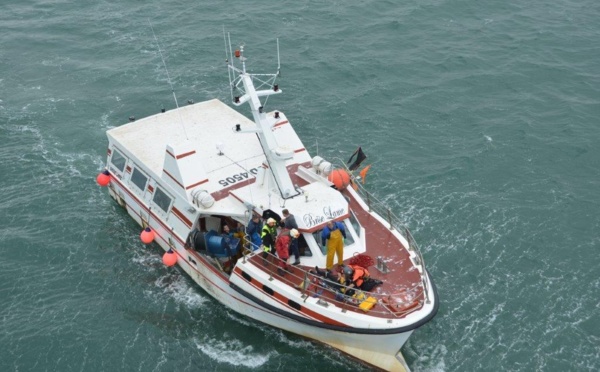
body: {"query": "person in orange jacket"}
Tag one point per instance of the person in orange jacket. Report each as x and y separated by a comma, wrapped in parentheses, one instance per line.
(355, 277)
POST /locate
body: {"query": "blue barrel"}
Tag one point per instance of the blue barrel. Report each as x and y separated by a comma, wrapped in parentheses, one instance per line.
(216, 244)
(219, 245)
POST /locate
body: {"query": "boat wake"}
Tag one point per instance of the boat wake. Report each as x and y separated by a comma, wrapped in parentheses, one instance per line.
(176, 287)
(232, 351)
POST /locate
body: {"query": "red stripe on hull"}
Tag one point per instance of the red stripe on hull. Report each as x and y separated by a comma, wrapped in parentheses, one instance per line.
(183, 218)
(143, 206)
(205, 263)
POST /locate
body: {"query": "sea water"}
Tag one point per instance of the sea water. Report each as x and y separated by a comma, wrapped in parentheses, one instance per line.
(480, 120)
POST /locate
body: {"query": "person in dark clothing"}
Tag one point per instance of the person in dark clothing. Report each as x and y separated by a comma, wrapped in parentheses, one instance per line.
(255, 225)
(290, 223)
(337, 281)
(226, 232)
(254, 230)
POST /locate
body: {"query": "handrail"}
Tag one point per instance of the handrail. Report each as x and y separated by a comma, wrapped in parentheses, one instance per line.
(375, 206)
(395, 223)
(312, 285)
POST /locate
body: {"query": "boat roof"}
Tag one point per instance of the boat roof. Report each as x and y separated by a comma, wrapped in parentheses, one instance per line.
(200, 126)
(198, 130)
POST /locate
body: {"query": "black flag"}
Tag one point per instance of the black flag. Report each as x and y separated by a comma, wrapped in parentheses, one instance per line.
(360, 157)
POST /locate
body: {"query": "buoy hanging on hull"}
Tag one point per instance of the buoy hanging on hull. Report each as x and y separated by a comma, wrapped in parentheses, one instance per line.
(147, 236)
(103, 178)
(169, 258)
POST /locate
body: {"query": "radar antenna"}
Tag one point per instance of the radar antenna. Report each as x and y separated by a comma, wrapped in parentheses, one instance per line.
(247, 92)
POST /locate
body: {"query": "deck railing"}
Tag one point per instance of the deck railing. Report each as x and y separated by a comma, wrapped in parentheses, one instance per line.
(397, 304)
(310, 284)
(393, 222)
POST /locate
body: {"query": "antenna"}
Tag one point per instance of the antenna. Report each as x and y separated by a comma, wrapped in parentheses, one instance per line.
(228, 61)
(168, 79)
(278, 61)
(252, 87)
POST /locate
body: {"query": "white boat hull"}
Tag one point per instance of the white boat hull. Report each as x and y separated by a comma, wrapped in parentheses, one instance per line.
(379, 350)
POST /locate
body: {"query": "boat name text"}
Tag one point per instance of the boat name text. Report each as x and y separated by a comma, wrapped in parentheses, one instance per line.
(238, 177)
(311, 220)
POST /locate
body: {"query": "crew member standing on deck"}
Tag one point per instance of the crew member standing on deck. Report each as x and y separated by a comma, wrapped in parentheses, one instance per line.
(290, 223)
(282, 245)
(254, 230)
(334, 234)
(268, 236)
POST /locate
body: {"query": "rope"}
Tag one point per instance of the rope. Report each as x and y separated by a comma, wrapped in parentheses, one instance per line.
(362, 260)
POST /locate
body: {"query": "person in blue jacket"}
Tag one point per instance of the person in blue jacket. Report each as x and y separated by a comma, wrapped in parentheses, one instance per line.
(332, 237)
(254, 230)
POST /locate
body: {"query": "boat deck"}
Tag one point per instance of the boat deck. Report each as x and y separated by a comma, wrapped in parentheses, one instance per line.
(401, 291)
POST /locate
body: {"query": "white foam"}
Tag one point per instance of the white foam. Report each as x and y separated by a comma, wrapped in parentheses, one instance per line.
(242, 320)
(148, 260)
(178, 288)
(234, 352)
(299, 343)
(430, 360)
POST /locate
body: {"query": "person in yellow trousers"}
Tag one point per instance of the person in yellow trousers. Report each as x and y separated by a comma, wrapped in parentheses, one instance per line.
(334, 234)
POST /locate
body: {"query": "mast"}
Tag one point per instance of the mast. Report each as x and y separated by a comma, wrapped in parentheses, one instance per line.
(276, 155)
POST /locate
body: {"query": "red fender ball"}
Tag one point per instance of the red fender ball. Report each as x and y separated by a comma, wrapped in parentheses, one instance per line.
(169, 258)
(147, 236)
(340, 179)
(103, 178)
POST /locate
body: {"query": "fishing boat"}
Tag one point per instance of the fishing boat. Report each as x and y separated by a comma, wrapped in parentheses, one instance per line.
(184, 174)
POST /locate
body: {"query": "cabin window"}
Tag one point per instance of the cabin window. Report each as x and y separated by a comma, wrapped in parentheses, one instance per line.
(118, 160)
(349, 227)
(139, 179)
(355, 224)
(317, 237)
(161, 199)
(348, 241)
